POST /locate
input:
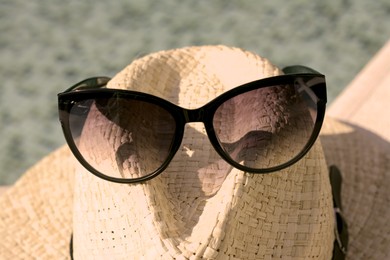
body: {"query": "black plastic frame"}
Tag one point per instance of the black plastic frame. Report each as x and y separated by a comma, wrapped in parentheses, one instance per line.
(94, 87)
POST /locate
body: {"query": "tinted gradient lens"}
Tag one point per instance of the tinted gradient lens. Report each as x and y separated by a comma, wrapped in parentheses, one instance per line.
(267, 127)
(122, 138)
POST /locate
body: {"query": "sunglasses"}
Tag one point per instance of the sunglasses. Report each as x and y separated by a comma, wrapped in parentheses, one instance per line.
(128, 136)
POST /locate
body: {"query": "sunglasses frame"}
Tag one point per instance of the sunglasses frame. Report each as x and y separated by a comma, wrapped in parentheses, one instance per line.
(94, 88)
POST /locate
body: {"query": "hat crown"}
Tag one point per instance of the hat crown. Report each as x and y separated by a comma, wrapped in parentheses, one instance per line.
(190, 77)
(200, 206)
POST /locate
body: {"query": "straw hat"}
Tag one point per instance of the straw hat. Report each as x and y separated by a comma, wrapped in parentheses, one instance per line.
(199, 207)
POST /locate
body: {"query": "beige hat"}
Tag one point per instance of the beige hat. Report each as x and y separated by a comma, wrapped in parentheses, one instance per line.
(199, 208)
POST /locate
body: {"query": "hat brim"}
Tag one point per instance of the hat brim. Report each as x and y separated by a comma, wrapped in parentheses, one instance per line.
(364, 160)
(36, 215)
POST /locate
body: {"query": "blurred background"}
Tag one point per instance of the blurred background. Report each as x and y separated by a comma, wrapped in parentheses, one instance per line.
(48, 45)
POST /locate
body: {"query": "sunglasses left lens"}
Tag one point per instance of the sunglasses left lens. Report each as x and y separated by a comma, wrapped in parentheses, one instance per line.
(122, 138)
(267, 127)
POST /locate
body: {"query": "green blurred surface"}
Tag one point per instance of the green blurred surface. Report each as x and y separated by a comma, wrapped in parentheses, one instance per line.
(47, 45)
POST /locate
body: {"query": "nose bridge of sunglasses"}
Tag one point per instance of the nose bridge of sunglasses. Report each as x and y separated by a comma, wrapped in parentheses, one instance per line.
(194, 115)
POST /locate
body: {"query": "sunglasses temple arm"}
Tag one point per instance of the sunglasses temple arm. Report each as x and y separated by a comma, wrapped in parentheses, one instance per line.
(297, 69)
(90, 83)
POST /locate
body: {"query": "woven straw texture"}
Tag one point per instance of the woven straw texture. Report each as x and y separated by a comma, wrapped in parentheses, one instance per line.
(200, 207)
(36, 214)
(365, 192)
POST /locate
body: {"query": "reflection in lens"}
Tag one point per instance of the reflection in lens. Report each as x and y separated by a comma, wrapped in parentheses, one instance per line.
(266, 127)
(122, 138)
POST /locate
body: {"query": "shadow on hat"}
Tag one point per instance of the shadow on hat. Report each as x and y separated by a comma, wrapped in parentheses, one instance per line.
(200, 206)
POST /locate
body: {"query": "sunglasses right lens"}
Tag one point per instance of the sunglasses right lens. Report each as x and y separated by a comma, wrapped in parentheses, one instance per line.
(122, 138)
(267, 127)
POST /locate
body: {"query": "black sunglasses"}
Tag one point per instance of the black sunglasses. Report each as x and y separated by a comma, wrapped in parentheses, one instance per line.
(127, 136)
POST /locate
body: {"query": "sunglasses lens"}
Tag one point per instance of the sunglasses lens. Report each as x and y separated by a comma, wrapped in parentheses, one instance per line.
(122, 138)
(266, 127)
